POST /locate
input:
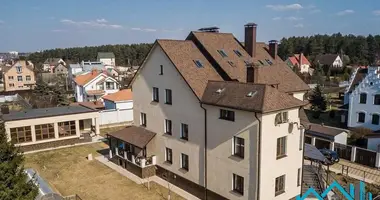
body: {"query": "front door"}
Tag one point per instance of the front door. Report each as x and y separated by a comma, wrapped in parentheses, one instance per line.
(81, 125)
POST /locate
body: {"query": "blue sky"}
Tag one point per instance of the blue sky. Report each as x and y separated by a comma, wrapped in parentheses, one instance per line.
(31, 25)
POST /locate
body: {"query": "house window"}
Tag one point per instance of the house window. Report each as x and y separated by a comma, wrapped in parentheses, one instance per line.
(184, 131)
(20, 86)
(10, 78)
(376, 99)
(185, 162)
(231, 63)
(44, 131)
(237, 52)
(375, 119)
(301, 140)
(168, 96)
(280, 185)
(363, 98)
(11, 84)
(28, 78)
(238, 184)
(269, 62)
(21, 134)
(66, 128)
(161, 70)
(198, 63)
(281, 118)
(281, 147)
(155, 94)
(239, 147)
(110, 86)
(361, 117)
(299, 177)
(19, 78)
(168, 126)
(143, 119)
(227, 115)
(19, 69)
(169, 155)
(222, 53)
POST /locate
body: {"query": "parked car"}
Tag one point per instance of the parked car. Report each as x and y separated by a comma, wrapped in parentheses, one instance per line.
(332, 156)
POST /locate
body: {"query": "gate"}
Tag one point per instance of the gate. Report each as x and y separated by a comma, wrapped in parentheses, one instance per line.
(307, 140)
(365, 157)
(322, 144)
(343, 151)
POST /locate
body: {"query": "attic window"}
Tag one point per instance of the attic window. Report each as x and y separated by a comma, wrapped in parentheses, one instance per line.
(261, 62)
(247, 62)
(237, 52)
(231, 63)
(198, 63)
(269, 61)
(252, 93)
(220, 90)
(222, 53)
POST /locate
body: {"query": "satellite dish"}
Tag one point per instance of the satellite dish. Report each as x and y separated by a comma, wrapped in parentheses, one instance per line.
(290, 128)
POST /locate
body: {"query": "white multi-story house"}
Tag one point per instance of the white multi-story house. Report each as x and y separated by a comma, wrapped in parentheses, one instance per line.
(217, 118)
(107, 58)
(93, 85)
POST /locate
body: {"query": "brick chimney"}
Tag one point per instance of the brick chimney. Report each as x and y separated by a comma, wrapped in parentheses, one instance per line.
(273, 47)
(300, 60)
(250, 39)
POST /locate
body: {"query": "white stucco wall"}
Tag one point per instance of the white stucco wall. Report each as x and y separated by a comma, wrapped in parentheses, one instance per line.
(108, 61)
(271, 168)
(114, 116)
(304, 68)
(338, 62)
(341, 138)
(185, 109)
(221, 162)
(299, 95)
(373, 144)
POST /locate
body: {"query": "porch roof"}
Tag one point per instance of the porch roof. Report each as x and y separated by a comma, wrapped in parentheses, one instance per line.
(137, 136)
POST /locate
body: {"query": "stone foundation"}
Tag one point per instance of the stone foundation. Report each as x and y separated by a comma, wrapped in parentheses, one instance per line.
(53, 144)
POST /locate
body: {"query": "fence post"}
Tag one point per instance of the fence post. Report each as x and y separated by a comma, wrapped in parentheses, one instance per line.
(332, 146)
(353, 154)
(313, 141)
(377, 163)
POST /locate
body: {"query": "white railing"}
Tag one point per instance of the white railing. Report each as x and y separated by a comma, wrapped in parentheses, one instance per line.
(139, 161)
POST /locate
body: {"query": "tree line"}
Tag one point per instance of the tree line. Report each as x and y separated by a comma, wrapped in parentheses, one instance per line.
(361, 50)
(125, 54)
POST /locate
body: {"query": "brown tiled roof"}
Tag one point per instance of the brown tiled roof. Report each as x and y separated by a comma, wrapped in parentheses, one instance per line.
(235, 95)
(134, 135)
(122, 95)
(324, 130)
(359, 76)
(326, 59)
(182, 54)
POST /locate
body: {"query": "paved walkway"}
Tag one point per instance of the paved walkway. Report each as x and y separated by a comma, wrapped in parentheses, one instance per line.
(139, 180)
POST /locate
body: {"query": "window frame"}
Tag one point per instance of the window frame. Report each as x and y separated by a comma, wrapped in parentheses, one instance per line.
(19, 78)
(280, 185)
(19, 69)
(161, 70)
(359, 121)
(198, 63)
(168, 155)
(238, 148)
(228, 115)
(28, 77)
(43, 130)
(184, 135)
(185, 165)
(238, 184)
(378, 119)
(143, 121)
(108, 86)
(156, 94)
(238, 53)
(378, 99)
(168, 123)
(299, 177)
(281, 147)
(168, 97)
(222, 53)
(16, 135)
(70, 128)
(11, 78)
(364, 95)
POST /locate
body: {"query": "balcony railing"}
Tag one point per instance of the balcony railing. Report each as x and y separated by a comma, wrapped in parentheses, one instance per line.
(139, 160)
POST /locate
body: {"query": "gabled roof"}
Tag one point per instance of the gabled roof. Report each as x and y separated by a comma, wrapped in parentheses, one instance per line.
(20, 62)
(249, 97)
(106, 55)
(52, 61)
(295, 60)
(359, 76)
(326, 59)
(183, 54)
(85, 78)
(122, 95)
(134, 135)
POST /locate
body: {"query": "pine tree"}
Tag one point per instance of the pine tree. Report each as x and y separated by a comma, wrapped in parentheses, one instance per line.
(13, 180)
(318, 100)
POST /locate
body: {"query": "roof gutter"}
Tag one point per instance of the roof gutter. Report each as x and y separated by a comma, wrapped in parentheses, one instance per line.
(258, 158)
(205, 150)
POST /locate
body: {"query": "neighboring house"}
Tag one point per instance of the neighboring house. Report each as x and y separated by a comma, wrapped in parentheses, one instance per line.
(60, 69)
(83, 67)
(35, 129)
(19, 76)
(214, 115)
(94, 85)
(107, 58)
(119, 100)
(300, 61)
(332, 60)
(51, 63)
(114, 72)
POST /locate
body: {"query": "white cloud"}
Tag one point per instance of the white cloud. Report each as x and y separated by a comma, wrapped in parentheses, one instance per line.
(345, 12)
(99, 23)
(295, 6)
(294, 18)
(276, 18)
(299, 25)
(315, 11)
(144, 29)
(376, 12)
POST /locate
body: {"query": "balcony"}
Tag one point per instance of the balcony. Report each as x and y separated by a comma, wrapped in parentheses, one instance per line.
(140, 161)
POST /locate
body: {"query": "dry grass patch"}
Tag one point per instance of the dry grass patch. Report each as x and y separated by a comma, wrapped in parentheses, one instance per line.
(69, 172)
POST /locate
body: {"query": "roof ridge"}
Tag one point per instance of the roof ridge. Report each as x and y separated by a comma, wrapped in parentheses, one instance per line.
(237, 82)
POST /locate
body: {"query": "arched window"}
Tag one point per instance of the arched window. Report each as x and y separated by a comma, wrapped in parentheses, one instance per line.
(361, 117)
(363, 98)
(375, 119)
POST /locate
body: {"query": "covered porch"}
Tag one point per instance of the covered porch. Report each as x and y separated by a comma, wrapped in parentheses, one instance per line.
(132, 149)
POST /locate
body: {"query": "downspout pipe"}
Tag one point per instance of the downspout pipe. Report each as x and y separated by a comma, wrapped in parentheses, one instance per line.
(205, 149)
(258, 159)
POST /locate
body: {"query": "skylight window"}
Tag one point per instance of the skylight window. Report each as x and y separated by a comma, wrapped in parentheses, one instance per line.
(231, 63)
(222, 53)
(247, 62)
(269, 61)
(198, 63)
(237, 52)
(251, 94)
(261, 62)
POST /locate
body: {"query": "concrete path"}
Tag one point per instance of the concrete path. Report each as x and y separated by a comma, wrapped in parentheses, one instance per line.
(139, 180)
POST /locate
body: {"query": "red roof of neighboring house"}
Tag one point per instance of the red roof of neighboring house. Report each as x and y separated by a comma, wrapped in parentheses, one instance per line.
(295, 60)
(122, 95)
